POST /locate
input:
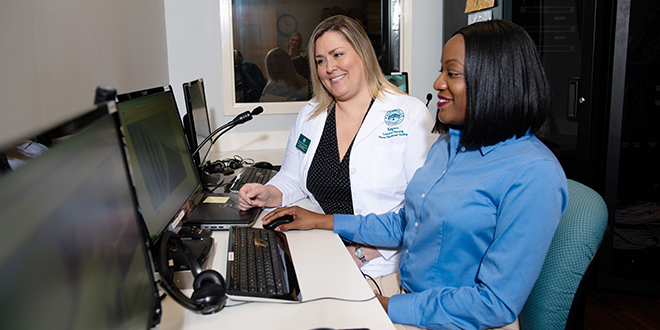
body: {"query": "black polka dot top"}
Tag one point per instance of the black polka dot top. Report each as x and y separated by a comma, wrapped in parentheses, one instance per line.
(328, 179)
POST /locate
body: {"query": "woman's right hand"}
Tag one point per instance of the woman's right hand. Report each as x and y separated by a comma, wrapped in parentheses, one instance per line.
(253, 195)
(302, 219)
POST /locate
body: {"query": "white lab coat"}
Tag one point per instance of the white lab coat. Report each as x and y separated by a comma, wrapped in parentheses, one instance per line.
(389, 147)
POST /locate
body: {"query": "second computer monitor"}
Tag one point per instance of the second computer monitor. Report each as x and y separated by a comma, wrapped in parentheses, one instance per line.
(196, 119)
(163, 173)
(74, 254)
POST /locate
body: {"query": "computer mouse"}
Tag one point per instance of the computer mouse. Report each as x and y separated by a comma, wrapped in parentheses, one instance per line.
(263, 164)
(278, 221)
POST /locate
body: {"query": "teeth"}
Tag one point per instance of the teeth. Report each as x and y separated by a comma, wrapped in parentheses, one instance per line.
(337, 78)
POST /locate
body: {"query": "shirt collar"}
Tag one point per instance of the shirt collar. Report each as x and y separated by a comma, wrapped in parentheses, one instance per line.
(457, 134)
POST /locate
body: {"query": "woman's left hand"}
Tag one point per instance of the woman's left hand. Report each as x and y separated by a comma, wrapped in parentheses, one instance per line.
(383, 300)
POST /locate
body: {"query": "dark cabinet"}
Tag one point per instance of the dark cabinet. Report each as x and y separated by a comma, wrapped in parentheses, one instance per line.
(603, 61)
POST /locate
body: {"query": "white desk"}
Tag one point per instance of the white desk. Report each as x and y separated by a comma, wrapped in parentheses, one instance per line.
(324, 269)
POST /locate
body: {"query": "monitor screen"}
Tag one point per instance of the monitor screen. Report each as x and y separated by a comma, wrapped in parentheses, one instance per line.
(399, 79)
(75, 255)
(162, 170)
(196, 120)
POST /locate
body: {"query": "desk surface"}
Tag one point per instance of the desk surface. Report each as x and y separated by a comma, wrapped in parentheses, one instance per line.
(324, 269)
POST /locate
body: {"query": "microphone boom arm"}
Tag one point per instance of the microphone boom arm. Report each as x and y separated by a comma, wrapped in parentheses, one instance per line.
(239, 119)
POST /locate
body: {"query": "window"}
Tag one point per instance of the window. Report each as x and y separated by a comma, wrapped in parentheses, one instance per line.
(253, 30)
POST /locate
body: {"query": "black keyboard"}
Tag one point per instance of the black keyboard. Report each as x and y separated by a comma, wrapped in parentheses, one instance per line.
(259, 265)
(251, 174)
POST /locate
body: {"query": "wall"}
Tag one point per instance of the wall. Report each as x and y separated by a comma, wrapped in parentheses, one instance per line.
(426, 37)
(455, 17)
(194, 50)
(55, 53)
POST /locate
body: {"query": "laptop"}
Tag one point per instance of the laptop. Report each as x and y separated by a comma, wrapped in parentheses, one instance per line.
(164, 174)
(221, 212)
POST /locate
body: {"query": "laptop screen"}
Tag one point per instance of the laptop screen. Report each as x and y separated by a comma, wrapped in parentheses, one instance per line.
(74, 256)
(161, 167)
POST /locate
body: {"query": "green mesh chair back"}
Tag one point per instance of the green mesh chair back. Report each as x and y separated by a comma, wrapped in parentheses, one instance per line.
(575, 242)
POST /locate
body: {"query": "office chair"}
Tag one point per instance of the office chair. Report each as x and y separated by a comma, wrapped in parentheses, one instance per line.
(576, 240)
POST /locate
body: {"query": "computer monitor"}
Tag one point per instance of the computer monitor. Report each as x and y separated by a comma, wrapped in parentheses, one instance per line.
(74, 255)
(138, 94)
(71, 126)
(19, 152)
(399, 79)
(162, 170)
(196, 120)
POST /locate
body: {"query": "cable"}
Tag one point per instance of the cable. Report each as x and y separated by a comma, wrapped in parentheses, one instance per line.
(236, 162)
(339, 299)
(372, 280)
(219, 185)
(637, 226)
(306, 301)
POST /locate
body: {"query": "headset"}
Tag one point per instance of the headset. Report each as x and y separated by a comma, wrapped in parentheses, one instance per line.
(209, 295)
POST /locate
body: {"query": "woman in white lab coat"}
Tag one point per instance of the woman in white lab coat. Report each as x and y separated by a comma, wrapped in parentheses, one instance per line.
(355, 145)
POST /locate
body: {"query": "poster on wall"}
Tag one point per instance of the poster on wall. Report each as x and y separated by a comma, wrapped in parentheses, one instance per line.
(475, 5)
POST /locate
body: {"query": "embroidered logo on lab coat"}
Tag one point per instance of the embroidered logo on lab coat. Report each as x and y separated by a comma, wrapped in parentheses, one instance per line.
(394, 117)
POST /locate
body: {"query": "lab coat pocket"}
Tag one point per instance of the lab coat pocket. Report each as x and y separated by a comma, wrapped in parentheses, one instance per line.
(387, 166)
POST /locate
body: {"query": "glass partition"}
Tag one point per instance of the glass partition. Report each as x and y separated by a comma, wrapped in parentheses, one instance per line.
(265, 47)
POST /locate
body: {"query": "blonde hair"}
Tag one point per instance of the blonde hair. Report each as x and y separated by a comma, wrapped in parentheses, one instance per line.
(295, 34)
(279, 67)
(357, 38)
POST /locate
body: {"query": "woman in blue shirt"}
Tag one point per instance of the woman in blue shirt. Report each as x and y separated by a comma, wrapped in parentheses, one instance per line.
(480, 214)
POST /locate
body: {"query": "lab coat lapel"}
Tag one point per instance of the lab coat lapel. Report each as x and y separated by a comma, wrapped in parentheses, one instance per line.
(374, 119)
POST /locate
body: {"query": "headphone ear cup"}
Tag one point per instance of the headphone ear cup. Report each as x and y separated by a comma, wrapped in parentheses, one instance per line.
(209, 291)
(207, 277)
(211, 296)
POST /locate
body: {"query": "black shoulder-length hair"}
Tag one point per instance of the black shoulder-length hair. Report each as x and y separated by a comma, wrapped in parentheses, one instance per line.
(507, 91)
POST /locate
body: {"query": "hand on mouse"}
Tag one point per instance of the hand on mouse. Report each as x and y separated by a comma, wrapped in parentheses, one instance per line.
(302, 219)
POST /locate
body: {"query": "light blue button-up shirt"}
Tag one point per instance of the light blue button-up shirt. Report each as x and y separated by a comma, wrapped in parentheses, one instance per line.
(474, 231)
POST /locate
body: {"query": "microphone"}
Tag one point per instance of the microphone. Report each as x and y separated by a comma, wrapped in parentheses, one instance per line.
(247, 115)
(429, 96)
(241, 118)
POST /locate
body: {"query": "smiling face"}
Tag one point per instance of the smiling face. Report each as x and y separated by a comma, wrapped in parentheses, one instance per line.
(295, 43)
(450, 85)
(339, 66)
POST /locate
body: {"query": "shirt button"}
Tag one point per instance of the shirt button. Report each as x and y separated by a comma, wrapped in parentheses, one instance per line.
(358, 211)
(463, 149)
(353, 170)
(406, 251)
(416, 223)
(423, 195)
